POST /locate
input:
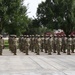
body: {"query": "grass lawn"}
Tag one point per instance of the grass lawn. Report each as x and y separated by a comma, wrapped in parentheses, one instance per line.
(6, 44)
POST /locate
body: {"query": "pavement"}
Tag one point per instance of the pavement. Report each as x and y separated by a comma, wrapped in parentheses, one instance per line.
(33, 64)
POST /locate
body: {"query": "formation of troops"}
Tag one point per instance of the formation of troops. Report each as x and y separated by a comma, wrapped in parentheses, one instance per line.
(40, 43)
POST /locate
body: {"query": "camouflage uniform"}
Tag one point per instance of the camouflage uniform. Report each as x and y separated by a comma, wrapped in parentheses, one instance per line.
(27, 45)
(60, 42)
(54, 44)
(73, 43)
(65, 47)
(45, 43)
(9, 41)
(69, 45)
(37, 45)
(49, 46)
(51, 42)
(32, 43)
(13, 44)
(1, 44)
(58, 45)
(20, 43)
(42, 43)
(64, 43)
(24, 44)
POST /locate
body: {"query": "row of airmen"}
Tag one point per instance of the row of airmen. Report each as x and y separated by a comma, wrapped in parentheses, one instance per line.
(40, 43)
(47, 44)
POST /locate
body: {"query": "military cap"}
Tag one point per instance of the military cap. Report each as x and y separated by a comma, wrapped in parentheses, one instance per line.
(21, 35)
(24, 35)
(55, 35)
(32, 35)
(51, 35)
(41, 35)
(27, 36)
(12, 35)
(38, 36)
(47, 35)
(69, 35)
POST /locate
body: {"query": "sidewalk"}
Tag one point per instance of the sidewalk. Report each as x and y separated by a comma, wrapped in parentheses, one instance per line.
(32, 64)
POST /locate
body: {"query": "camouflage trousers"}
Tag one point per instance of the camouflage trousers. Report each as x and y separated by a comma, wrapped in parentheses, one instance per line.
(32, 47)
(26, 49)
(54, 48)
(1, 47)
(72, 48)
(14, 49)
(42, 47)
(69, 49)
(49, 50)
(63, 48)
(46, 48)
(58, 48)
(37, 50)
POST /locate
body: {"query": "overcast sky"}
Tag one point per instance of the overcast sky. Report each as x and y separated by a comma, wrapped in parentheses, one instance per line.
(32, 7)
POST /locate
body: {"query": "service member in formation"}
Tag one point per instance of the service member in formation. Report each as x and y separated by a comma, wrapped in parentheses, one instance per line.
(49, 46)
(14, 44)
(60, 41)
(69, 45)
(73, 43)
(45, 42)
(9, 41)
(27, 44)
(29, 40)
(32, 43)
(1, 44)
(37, 45)
(51, 42)
(54, 43)
(20, 42)
(58, 45)
(24, 44)
(64, 43)
(39, 42)
(42, 43)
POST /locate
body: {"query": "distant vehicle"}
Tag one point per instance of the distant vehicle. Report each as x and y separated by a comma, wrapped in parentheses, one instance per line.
(59, 32)
(72, 33)
(48, 33)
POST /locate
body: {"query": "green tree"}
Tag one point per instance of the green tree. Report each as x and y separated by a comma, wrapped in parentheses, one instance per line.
(13, 16)
(56, 14)
(45, 13)
(33, 27)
